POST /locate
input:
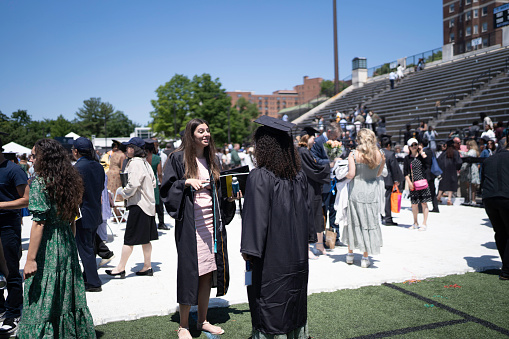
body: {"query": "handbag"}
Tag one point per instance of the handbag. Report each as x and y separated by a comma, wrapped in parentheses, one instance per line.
(330, 238)
(419, 184)
(395, 199)
(435, 169)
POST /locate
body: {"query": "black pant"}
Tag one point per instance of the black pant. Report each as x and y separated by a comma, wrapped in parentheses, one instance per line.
(11, 242)
(100, 248)
(388, 213)
(160, 210)
(498, 212)
(85, 243)
(392, 84)
(434, 201)
(328, 200)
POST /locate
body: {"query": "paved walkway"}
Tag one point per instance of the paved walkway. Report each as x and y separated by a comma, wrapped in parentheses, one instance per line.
(459, 239)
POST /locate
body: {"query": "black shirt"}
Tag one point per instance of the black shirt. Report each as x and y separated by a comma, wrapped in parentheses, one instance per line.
(495, 176)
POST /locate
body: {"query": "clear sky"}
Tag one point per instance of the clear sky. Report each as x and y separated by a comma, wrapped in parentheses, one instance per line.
(54, 53)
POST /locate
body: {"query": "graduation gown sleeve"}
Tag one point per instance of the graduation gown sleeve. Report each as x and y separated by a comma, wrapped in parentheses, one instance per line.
(173, 187)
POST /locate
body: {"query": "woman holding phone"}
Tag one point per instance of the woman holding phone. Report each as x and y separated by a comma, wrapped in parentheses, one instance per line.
(191, 194)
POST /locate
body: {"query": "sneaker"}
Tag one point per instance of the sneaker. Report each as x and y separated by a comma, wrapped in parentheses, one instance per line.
(423, 228)
(106, 260)
(9, 327)
(365, 262)
(349, 258)
(414, 227)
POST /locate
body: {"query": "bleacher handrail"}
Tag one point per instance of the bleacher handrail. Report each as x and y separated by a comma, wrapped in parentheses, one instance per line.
(443, 101)
(488, 72)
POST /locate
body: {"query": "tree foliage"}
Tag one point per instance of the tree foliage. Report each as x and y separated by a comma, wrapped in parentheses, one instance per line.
(183, 99)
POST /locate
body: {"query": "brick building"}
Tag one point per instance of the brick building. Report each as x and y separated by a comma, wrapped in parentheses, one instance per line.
(271, 104)
(469, 25)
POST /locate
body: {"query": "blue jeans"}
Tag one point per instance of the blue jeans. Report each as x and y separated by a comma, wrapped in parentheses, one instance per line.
(328, 200)
(11, 242)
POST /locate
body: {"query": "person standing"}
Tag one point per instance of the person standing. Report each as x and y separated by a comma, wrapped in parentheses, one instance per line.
(450, 163)
(235, 158)
(430, 135)
(280, 269)
(116, 160)
(393, 178)
(91, 210)
(55, 304)
(317, 175)
(415, 168)
(141, 222)
(495, 197)
(14, 192)
(328, 192)
(155, 161)
(365, 164)
(192, 196)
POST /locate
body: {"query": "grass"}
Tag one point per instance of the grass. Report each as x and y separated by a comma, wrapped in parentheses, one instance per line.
(420, 309)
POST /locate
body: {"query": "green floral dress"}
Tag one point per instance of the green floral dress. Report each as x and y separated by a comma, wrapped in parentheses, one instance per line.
(54, 302)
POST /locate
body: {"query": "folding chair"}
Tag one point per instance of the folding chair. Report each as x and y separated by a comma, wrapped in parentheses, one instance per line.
(119, 206)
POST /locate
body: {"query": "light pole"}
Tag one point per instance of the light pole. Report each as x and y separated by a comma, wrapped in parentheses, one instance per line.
(175, 120)
(229, 141)
(336, 66)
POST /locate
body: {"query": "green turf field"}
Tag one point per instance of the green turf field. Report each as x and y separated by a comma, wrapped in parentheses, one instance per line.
(472, 305)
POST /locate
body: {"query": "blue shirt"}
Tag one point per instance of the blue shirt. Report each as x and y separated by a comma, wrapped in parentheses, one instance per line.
(11, 176)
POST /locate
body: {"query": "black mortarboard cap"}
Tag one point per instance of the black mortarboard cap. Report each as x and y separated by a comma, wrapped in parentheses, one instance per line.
(277, 124)
(308, 130)
(149, 141)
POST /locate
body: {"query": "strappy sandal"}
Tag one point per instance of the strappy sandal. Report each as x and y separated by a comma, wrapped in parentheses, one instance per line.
(183, 333)
(199, 326)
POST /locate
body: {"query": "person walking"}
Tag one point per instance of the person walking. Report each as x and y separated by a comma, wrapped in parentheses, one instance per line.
(450, 163)
(192, 196)
(365, 164)
(415, 168)
(393, 178)
(55, 304)
(495, 197)
(155, 161)
(276, 207)
(469, 172)
(141, 226)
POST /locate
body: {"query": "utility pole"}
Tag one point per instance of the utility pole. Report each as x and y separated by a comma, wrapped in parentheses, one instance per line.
(175, 120)
(229, 141)
(336, 66)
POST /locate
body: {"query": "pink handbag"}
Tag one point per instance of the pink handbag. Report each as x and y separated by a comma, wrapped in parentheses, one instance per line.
(419, 184)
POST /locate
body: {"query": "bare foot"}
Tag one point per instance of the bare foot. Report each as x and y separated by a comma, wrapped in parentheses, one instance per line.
(184, 333)
(208, 327)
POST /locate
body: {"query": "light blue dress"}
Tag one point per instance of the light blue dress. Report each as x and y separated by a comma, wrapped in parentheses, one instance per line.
(363, 213)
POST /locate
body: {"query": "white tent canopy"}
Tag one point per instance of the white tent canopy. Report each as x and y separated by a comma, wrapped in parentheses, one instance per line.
(72, 135)
(14, 147)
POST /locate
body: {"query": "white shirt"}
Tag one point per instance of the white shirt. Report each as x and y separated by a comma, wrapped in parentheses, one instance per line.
(140, 185)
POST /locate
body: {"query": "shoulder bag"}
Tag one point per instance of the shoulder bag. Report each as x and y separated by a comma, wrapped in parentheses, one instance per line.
(419, 184)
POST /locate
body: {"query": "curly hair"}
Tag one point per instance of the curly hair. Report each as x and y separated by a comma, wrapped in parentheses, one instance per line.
(189, 148)
(366, 144)
(303, 141)
(63, 182)
(275, 151)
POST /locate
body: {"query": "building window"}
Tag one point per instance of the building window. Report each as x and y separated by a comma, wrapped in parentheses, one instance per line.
(468, 15)
(484, 11)
(461, 33)
(451, 23)
(451, 8)
(468, 2)
(468, 31)
(485, 42)
(476, 13)
(476, 29)
(239, 95)
(484, 26)
(460, 18)
(469, 46)
(475, 0)
(451, 37)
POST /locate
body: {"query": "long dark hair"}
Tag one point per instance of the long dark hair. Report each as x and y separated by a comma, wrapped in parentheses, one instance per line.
(63, 182)
(450, 151)
(189, 147)
(275, 151)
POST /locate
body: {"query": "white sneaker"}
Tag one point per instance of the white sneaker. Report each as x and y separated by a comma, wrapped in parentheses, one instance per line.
(105, 261)
(349, 258)
(365, 263)
(423, 228)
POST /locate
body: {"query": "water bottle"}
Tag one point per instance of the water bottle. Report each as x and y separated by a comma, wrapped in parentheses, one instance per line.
(3, 282)
(248, 273)
(235, 186)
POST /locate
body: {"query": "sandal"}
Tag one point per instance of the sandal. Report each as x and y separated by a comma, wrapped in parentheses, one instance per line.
(414, 226)
(218, 330)
(183, 333)
(449, 203)
(320, 251)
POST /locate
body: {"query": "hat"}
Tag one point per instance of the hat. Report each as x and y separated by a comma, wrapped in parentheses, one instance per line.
(280, 125)
(308, 131)
(149, 141)
(412, 141)
(83, 144)
(135, 141)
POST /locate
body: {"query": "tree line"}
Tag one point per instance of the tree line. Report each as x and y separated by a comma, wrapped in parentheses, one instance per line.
(93, 118)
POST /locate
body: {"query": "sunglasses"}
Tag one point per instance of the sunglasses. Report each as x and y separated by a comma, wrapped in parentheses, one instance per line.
(413, 145)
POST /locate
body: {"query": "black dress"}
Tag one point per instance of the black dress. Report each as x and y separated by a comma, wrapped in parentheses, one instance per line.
(317, 176)
(416, 168)
(450, 168)
(275, 232)
(179, 202)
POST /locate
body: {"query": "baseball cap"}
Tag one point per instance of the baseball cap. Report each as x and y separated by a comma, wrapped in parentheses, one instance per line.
(83, 144)
(135, 141)
(412, 141)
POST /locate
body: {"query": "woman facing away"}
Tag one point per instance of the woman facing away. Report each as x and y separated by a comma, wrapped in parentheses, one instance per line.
(192, 196)
(116, 160)
(450, 162)
(141, 222)
(54, 302)
(277, 222)
(317, 176)
(469, 172)
(365, 164)
(414, 169)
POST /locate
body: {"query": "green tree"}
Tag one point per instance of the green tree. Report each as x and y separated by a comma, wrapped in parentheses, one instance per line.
(94, 116)
(244, 127)
(60, 126)
(120, 125)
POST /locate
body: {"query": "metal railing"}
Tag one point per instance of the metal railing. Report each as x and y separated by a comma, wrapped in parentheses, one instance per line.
(443, 101)
(383, 83)
(488, 72)
(428, 56)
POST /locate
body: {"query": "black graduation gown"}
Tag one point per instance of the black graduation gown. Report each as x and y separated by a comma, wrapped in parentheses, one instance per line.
(179, 202)
(275, 222)
(317, 175)
(450, 168)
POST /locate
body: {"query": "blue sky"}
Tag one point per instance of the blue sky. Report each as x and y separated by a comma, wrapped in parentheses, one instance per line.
(54, 54)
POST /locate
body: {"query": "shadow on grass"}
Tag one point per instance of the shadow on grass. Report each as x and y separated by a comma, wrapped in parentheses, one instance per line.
(492, 272)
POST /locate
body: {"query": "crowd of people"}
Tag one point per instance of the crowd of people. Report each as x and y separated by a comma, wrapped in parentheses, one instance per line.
(332, 179)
